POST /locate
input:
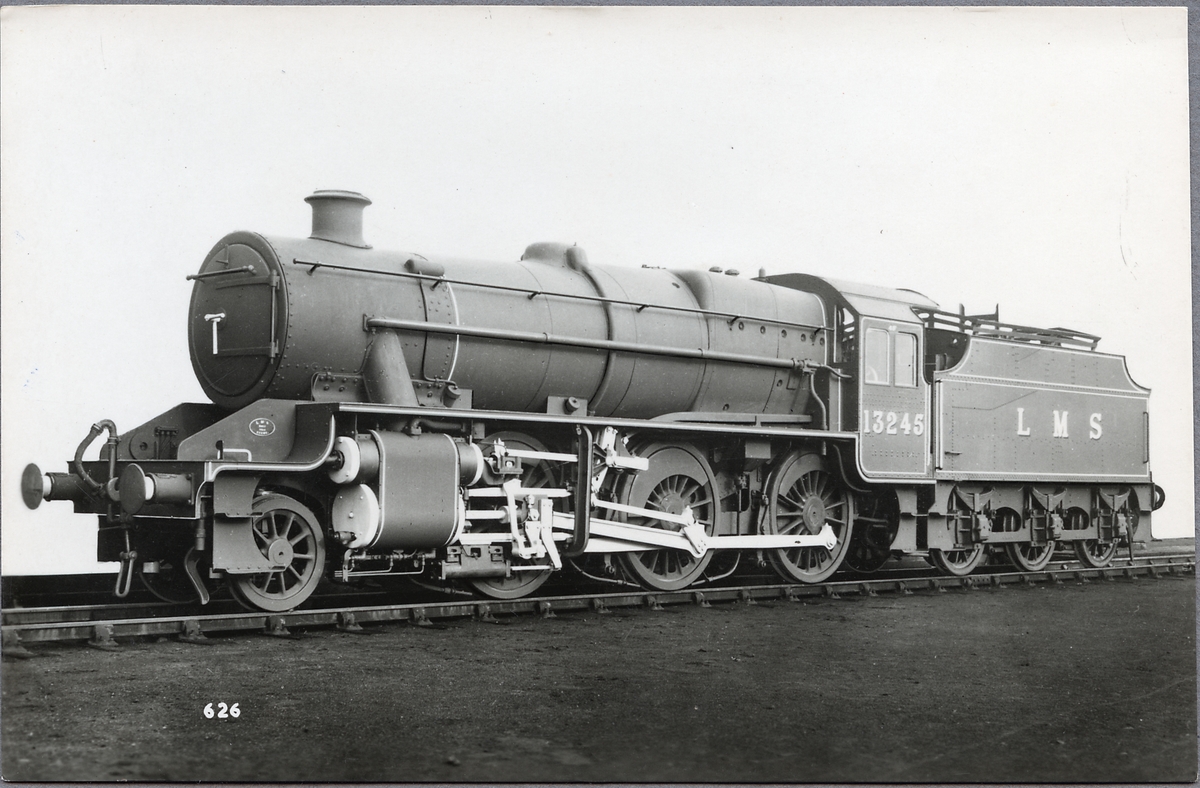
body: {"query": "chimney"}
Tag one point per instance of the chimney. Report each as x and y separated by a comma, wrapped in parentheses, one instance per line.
(338, 216)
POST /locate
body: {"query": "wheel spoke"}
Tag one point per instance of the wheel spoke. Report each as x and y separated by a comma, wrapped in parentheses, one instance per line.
(821, 483)
(796, 504)
(790, 526)
(287, 525)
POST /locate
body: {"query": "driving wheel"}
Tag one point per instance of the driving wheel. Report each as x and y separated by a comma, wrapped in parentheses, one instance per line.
(803, 497)
(678, 478)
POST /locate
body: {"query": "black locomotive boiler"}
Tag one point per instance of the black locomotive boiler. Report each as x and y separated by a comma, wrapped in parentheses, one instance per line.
(487, 424)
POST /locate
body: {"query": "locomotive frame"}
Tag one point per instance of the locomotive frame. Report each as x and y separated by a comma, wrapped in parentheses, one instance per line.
(348, 442)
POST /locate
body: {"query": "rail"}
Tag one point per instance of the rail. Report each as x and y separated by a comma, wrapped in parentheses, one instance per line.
(193, 627)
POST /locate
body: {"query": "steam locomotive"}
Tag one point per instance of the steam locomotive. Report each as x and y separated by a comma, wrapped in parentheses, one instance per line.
(485, 425)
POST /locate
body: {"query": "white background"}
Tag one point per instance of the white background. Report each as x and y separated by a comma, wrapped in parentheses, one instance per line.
(1034, 157)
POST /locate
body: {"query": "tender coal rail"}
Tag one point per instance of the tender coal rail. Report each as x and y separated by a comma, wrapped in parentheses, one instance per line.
(351, 617)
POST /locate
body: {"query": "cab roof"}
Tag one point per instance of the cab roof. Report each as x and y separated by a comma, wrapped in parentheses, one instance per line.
(861, 299)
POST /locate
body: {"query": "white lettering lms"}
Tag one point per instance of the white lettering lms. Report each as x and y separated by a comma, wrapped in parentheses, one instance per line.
(1060, 424)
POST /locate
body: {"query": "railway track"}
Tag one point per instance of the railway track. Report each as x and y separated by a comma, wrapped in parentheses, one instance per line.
(100, 625)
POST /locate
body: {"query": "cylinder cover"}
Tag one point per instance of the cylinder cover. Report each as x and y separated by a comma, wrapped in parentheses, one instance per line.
(413, 504)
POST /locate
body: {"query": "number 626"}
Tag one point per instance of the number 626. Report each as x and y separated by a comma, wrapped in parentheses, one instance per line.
(222, 712)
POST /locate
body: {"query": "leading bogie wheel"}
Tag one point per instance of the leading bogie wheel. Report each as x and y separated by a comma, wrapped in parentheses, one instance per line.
(288, 532)
(534, 474)
(678, 478)
(804, 496)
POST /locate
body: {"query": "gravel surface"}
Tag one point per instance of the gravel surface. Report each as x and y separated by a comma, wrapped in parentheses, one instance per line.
(1066, 683)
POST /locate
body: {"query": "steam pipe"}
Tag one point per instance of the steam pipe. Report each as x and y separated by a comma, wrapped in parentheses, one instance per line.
(386, 372)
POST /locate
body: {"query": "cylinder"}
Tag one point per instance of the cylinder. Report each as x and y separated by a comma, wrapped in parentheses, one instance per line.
(413, 503)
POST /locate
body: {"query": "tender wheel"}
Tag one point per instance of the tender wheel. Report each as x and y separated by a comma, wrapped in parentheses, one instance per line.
(958, 563)
(534, 474)
(1090, 552)
(1030, 557)
(875, 526)
(678, 477)
(1094, 553)
(283, 527)
(1025, 556)
(803, 497)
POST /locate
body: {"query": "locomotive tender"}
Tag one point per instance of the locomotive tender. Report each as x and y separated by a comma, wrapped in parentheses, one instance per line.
(488, 424)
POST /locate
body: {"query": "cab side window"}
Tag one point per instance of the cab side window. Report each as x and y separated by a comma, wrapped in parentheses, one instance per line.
(876, 357)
